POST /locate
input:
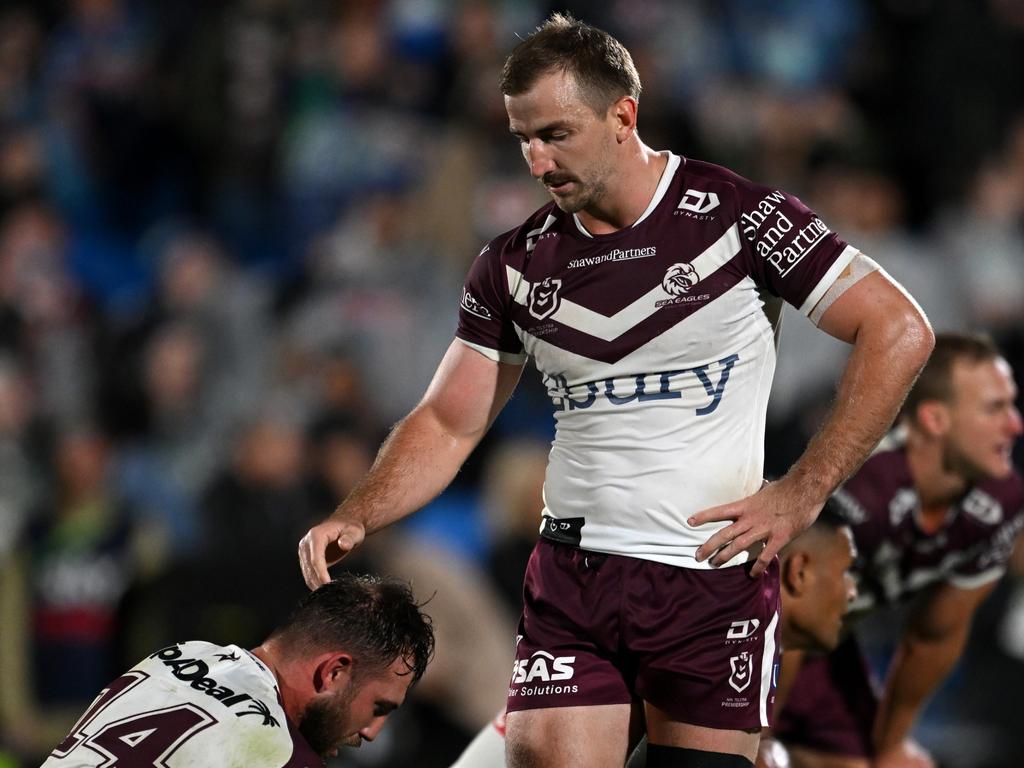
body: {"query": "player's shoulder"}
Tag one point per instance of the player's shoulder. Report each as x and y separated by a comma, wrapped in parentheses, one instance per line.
(880, 479)
(229, 674)
(691, 169)
(693, 172)
(1005, 492)
(704, 186)
(515, 244)
(886, 467)
(214, 702)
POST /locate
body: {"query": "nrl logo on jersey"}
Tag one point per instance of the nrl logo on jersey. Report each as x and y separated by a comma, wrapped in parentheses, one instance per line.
(544, 299)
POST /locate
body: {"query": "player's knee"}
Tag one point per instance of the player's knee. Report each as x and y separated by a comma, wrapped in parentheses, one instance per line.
(660, 756)
(522, 753)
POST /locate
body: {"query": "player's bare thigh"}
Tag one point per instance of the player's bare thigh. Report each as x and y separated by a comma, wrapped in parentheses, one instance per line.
(662, 729)
(572, 737)
(802, 757)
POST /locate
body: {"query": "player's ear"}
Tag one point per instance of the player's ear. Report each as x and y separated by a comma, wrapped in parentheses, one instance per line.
(795, 573)
(332, 669)
(624, 113)
(933, 417)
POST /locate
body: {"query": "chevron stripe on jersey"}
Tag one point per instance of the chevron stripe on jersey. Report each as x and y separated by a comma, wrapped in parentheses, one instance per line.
(608, 328)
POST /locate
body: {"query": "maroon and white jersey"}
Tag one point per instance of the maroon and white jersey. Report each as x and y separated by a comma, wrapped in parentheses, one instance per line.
(657, 347)
(896, 558)
(193, 704)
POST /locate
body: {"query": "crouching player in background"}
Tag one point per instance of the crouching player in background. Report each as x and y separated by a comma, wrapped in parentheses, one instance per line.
(935, 513)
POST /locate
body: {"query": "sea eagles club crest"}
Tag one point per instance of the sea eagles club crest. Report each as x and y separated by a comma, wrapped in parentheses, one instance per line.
(679, 279)
(544, 298)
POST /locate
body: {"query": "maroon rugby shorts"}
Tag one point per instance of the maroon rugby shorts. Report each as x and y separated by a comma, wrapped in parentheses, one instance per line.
(701, 645)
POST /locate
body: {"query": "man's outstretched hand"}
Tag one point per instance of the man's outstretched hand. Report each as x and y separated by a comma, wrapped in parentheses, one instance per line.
(774, 515)
(324, 545)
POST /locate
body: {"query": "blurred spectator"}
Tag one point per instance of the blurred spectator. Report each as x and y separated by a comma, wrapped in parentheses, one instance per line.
(179, 376)
(864, 200)
(513, 490)
(355, 129)
(64, 596)
(254, 511)
(21, 167)
(340, 455)
(43, 316)
(21, 37)
(378, 290)
(984, 236)
(120, 164)
(165, 468)
(197, 286)
(20, 475)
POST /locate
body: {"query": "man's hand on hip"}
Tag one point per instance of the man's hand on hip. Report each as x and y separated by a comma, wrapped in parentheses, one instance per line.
(773, 515)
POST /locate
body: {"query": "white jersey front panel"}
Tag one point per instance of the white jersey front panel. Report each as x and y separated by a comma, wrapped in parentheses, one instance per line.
(657, 447)
(191, 705)
(657, 348)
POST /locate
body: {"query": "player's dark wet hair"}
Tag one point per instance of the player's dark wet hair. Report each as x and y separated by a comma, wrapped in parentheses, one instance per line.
(831, 517)
(936, 380)
(829, 520)
(374, 618)
(601, 65)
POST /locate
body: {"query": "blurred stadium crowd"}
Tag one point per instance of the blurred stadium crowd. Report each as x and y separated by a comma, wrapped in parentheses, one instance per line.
(232, 240)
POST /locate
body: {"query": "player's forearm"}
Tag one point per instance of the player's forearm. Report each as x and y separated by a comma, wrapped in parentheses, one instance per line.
(887, 355)
(918, 668)
(416, 463)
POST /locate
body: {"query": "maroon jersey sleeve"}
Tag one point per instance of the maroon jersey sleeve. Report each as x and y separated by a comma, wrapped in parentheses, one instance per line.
(1005, 518)
(789, 250)
(484, 320)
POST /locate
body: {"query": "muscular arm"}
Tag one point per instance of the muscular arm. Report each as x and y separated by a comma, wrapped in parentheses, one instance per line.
(928, 650)
(891, 341)
(419, 458)
(426, 449)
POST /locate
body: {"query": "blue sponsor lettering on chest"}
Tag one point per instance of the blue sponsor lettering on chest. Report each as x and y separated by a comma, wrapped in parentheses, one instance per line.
(566, 398)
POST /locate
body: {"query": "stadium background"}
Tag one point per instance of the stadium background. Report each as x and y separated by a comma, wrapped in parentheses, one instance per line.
(232, 239)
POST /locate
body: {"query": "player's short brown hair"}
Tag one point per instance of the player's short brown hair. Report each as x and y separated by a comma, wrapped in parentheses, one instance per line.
(374, 618)
(601, 65)
(936, 379)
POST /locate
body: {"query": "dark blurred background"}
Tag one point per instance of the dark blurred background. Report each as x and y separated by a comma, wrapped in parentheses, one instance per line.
(232, 239)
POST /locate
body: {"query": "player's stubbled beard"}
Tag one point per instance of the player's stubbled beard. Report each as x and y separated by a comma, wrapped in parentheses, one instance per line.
(591, 184)
(587, 192)
(326, 722)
